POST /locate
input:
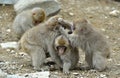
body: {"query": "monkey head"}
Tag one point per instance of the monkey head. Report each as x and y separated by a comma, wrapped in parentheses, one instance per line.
(61, 44)
(38, 15)
(52, 23)
(81, 27)
(65, 25)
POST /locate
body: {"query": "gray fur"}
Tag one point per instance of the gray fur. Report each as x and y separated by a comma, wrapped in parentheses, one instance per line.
(39, 40)
(91, 41)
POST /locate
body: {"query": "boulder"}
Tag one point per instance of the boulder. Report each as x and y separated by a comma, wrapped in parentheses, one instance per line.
(51, 7)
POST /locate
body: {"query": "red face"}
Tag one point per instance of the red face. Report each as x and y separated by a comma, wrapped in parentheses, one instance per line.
(61, 49)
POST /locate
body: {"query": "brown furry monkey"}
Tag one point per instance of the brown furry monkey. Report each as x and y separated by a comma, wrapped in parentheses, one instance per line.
(39, 40)
(90, 40)
(66, 52)
(28, 19)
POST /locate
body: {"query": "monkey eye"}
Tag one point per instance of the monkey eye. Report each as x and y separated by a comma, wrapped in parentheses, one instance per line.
(64, 47)
(64, 27)
(74, 28)
(33, 13)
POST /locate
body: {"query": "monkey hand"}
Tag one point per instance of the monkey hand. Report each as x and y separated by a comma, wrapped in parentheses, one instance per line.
(60, 19)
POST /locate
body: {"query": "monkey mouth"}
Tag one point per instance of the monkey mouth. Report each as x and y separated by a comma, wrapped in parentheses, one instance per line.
(61, 49)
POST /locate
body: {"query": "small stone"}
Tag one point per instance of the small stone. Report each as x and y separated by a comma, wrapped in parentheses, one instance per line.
(71, 14)
(114, 13)
(103, 29)
(107, 37)
(93, 71)
(2, 74)
(102, 76)
(75, 73)
(106, 17)
(8, 30)
(118, 64)
(22, 54)
(56, 72)
(12, 51)
(9, 45)
(109, 59)
(6, 14)
(1, 17)
(8, 50)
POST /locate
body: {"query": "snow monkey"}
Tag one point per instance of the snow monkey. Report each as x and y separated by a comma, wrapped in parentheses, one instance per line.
(90, 41)
(28, 19)
(66, 52)
(39, 40)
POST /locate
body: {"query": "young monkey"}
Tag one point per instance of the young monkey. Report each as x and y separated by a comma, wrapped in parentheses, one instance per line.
(90, 41)
(28, 19)
(68, 54)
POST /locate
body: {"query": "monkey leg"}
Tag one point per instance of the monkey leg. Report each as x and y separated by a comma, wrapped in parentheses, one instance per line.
(66, 67)
(88, 59)
(38, 57)
(55, 56)
(99, 61)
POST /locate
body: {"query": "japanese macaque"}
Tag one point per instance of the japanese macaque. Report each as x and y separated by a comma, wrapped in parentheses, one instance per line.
(28, 19)
(89, 40)
(38, 40)
(67, 53)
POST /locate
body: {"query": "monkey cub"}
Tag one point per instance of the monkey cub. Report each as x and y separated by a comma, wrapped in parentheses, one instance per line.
(68, 54)
(91, 42)
(28, 19)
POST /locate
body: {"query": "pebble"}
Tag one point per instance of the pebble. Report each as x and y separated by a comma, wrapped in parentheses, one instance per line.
(12, 51)
(75, 73)
(9, 45)
(103, 29)
(8, 30)
(1, 17)
(107, 37)
(71, 14)
(2, 74)
(8, 50)
(22, 54)
(115, 13)
(103, 76)
(110, 59)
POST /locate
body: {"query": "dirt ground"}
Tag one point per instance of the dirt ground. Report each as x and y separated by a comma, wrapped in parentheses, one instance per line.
(96, 11)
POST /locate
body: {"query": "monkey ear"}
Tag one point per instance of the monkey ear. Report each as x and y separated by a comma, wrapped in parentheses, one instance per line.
(84, 20)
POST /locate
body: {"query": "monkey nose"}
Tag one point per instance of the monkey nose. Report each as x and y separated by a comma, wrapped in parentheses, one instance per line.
(70, 32)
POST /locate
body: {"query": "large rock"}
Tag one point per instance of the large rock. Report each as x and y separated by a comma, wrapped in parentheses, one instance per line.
(8, 1)
(50, 6)
(2, 74)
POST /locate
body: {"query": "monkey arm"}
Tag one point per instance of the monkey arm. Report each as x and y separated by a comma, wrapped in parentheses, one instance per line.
(55, 57)
(65, 23)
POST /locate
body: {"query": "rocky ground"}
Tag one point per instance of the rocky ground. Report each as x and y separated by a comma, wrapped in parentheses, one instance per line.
(103, 14)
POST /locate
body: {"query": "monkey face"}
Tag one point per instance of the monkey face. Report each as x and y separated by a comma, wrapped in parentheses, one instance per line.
(81, 28)
(61, 44)
(61, 49)
(38, 15)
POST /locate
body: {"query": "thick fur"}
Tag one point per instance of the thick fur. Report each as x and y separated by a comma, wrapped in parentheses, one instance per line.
(28, 19)
(39, 40)
(70, 57)
(91, 41)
